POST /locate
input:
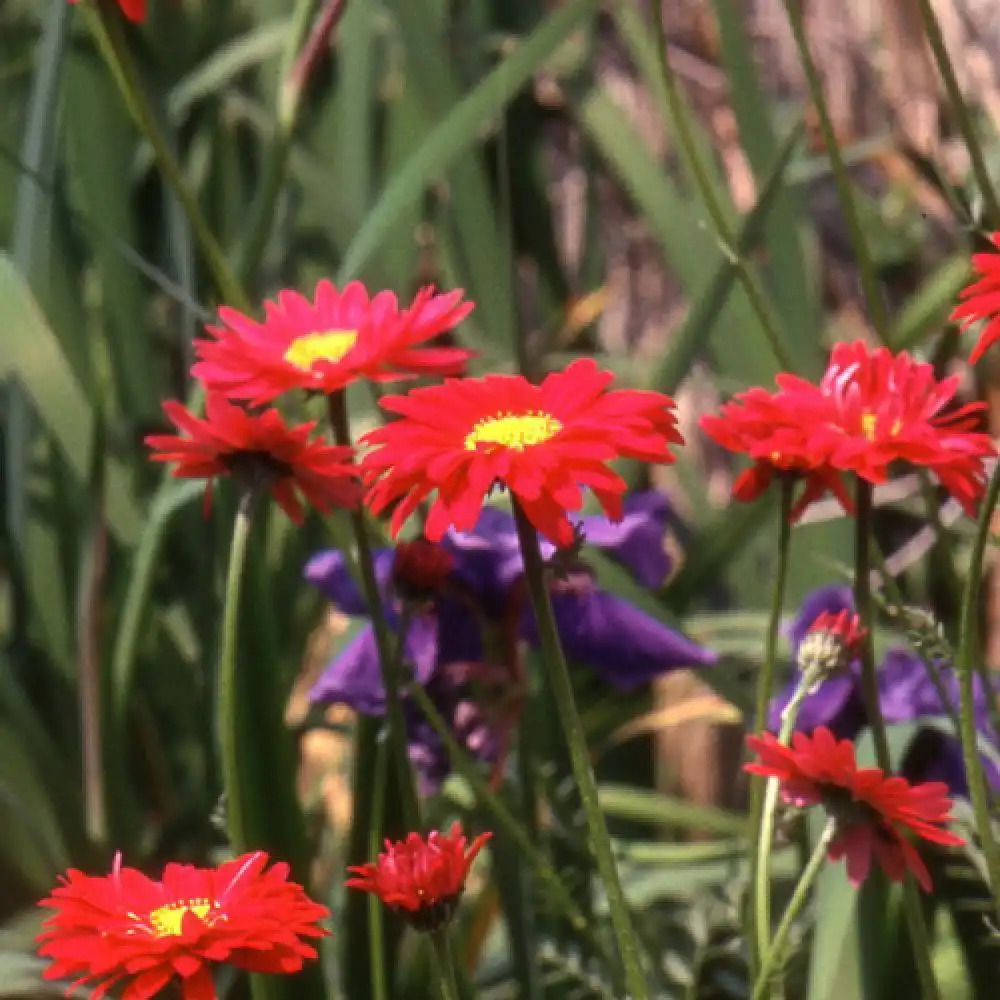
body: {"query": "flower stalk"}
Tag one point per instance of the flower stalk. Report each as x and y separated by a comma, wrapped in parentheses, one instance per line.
(562, 689)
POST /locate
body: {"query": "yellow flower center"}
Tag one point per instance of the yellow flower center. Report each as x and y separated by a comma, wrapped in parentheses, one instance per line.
(513, 430)
(326, 345)
(868, 422)
(168, 920)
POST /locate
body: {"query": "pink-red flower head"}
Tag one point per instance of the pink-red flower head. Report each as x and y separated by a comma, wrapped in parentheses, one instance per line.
(325, 345)
(423, 879)
(127, 930)
(873, 813)
(830, 643)
(262, 452)
(981, 299)
(420, 568)
(544, 443)
(134, 10)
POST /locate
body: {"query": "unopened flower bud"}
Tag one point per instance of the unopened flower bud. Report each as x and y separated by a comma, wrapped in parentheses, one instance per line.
(829, 645)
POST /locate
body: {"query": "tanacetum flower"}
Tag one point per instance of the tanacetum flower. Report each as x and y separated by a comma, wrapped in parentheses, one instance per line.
(325, 345)
(981, 299)
(544, 443)
(873, 813)
(772, 433)
(125, 929)
(422, 879)
(831, 643)
(261, 451)
(134, 10)
(873, 408)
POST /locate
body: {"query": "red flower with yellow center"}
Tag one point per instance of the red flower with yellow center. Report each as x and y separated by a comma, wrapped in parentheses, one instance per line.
(422, 879)
(544, 443)
(134, 10)
(981, 299)
(262, 452)
(873, 813)
(125, 929)
(873, 408)
(325, 345)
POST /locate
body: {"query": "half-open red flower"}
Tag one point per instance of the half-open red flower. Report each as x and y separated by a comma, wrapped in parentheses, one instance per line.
(423, 879)
(134, 10)
(325, 345)
(873, 813)
(981, 299)
(125, 929)
(543, 442)
(262, 452)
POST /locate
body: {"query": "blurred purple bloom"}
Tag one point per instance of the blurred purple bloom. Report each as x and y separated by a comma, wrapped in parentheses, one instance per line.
(906, 694)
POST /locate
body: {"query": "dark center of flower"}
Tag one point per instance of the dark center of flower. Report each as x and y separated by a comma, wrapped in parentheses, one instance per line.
(168, 920)
(324, 345)
(256, 470)
(849, 811)
(431, 916)
(513, 430)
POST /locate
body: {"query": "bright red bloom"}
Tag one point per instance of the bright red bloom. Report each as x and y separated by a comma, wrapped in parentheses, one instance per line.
(261, 451)
(325, 345)
(872, 812)
(134, 10)
(542, 442)
(763, 426)
(831, 643)
(422, 878)
(982, 299)
(125, 929)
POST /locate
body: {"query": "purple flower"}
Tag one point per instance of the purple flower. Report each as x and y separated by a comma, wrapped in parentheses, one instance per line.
(906, 694)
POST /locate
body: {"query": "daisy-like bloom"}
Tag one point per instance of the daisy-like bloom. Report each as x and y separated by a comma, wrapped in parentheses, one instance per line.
(542, 442)
(763, 426)
(981, 299)
(260, 451)
(130, 931)
(873, 813)
(421, 879)
(831, 643)
(134, 10)
(873, 408)
(323, 346)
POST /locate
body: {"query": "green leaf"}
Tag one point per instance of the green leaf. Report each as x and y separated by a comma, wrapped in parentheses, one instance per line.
(642, 805)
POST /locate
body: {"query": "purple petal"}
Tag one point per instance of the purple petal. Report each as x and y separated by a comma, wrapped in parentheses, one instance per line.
(637, 539)
(836, 704)
(328, 571)
(488, 558)
(624, 645)
(935, 756)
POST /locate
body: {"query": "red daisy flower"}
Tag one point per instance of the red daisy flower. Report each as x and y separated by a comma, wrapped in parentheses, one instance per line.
(982, 299)
(423, 879)
(125, 929)
(542, 442)
(261, 451)
(761, 425)
(421, 568)
(873, 408)
(134, 10)
(831, 643)
(872, 812)
(327, 344)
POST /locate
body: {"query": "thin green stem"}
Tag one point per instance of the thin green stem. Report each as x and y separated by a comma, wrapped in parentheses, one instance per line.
(873, 709)
(866, 266)
(562, 690)
(758, 913)
(388, 661)
(772, 959)
(961, 111)
(110, 40)
(446, 964)
(376, 920)
(967, 652)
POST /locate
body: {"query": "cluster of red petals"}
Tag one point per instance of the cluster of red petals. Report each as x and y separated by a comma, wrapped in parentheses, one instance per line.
(873, 812)
(262, 449)
(981, 299)
(542, 442)
(766, 427)
(845, 625)
(125, 929)
(134, 10)
(872, 408)
(422, 878)
(325, 345)
(421, 567)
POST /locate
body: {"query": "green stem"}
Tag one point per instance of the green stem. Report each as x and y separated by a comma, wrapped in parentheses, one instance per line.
(772, 959)
(758, 914)
(960, 110)
(388, 661)
(110, 40)
(562, 690)
(446, 964)
(376, 925)
(873, 709)
(967, 651)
